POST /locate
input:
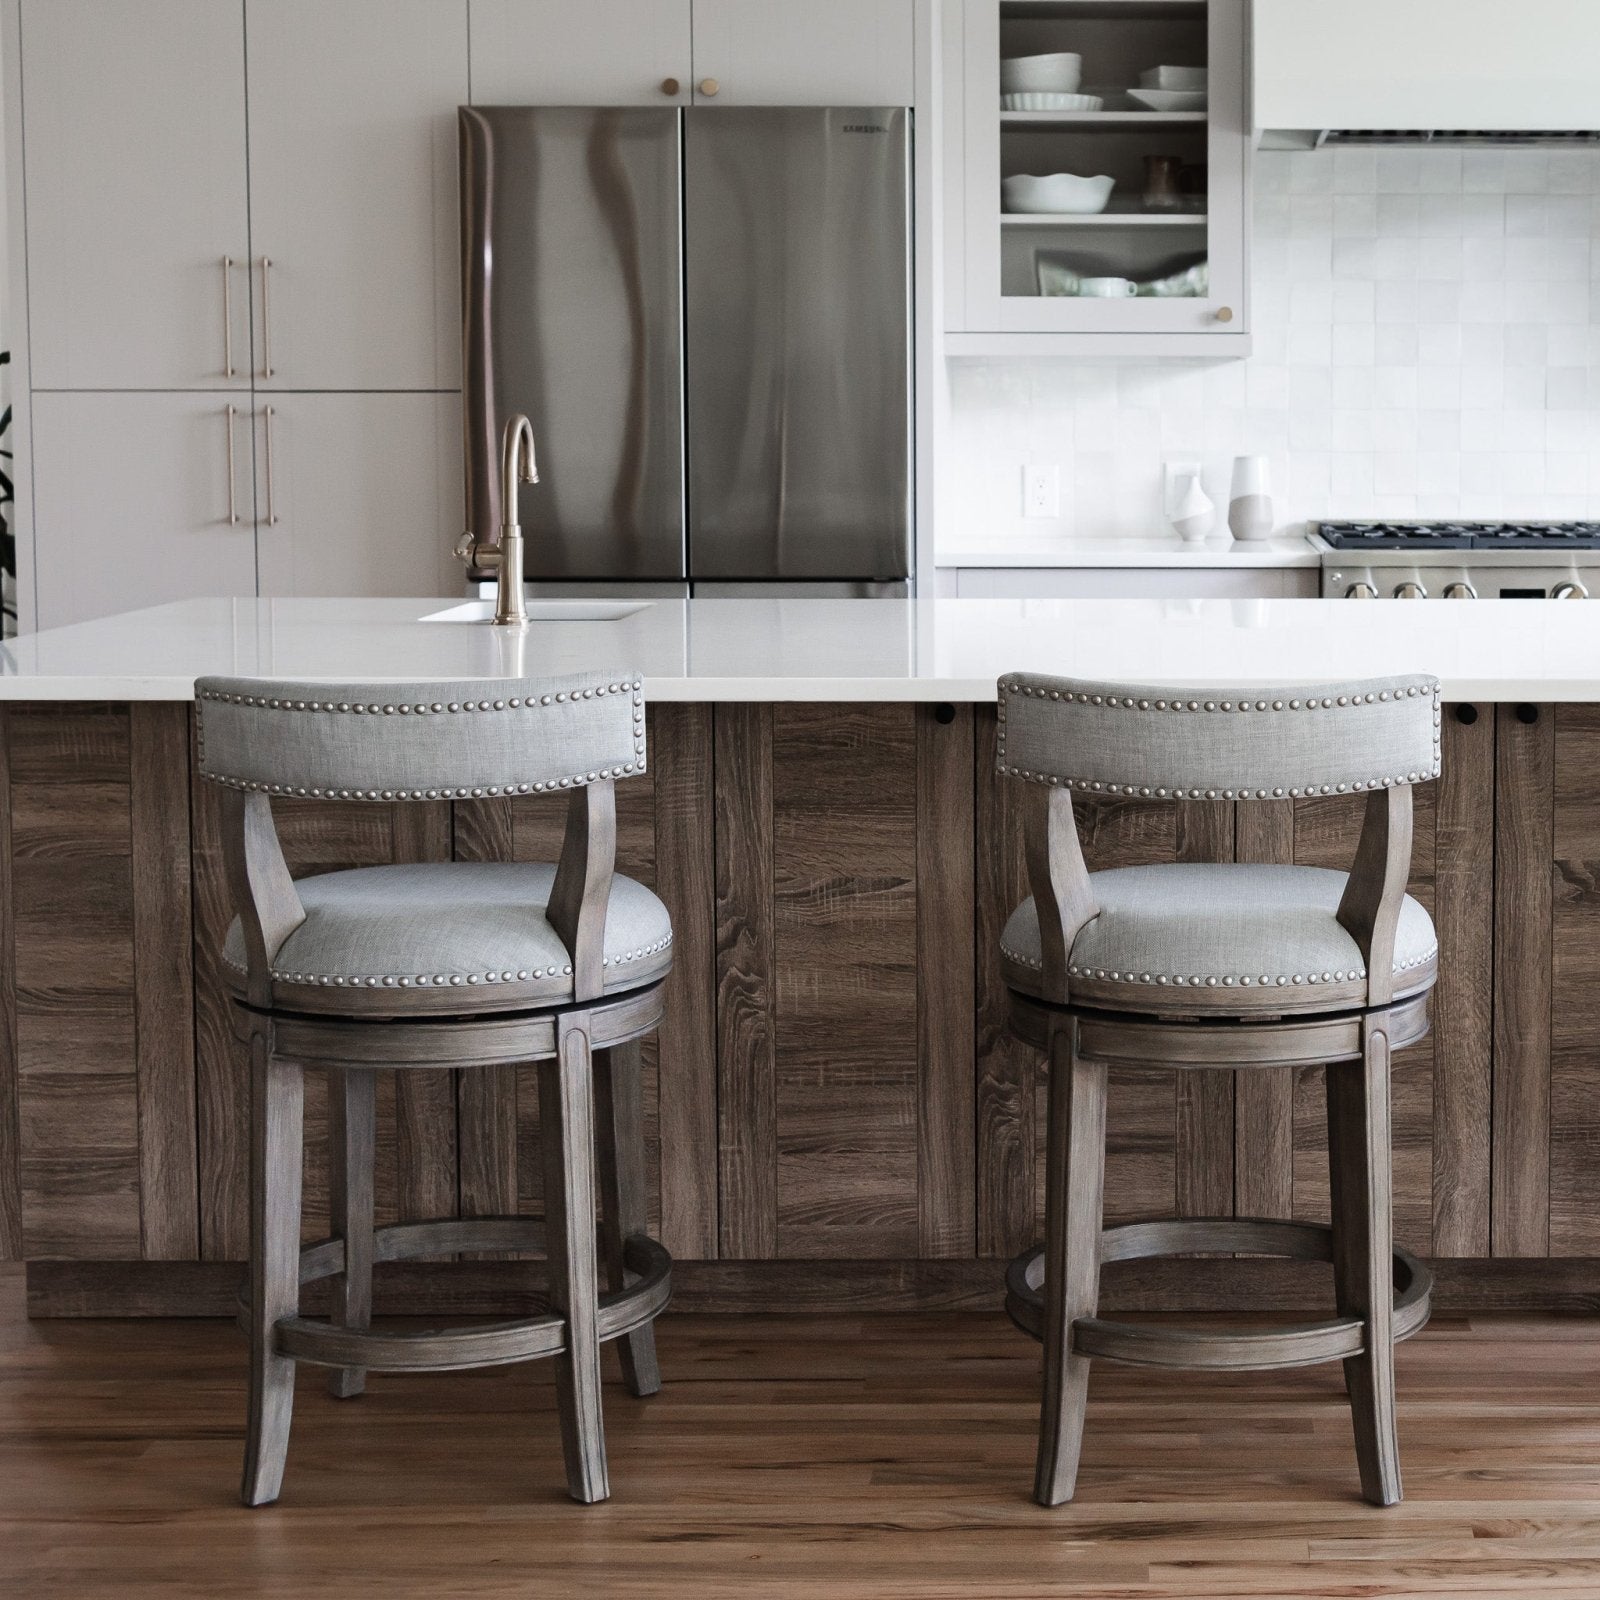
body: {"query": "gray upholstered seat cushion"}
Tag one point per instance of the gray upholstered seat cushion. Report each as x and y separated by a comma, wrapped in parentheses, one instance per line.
(1225, 926)
(476, 926)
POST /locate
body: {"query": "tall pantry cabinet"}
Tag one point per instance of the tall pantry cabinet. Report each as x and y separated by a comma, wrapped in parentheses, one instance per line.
(241, 350)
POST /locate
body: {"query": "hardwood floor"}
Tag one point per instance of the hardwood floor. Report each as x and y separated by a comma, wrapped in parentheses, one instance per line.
(876, 1457)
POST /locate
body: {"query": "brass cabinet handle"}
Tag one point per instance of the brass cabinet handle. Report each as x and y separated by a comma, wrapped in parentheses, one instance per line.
(1224, 313)
(233, 502)
(272, 488)
(710, 86)
(266, 319)
(671, 86)
(227, 316)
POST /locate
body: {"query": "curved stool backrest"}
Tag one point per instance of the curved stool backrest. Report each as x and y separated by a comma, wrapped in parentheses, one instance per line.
(420, 741)
(1378, 737)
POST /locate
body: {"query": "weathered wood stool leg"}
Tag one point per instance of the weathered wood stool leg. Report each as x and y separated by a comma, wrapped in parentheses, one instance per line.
(352, 1139)
(1363, 1252)
(1074, 1190)
(276, 1104)
(619, 1115)
(566, 1131)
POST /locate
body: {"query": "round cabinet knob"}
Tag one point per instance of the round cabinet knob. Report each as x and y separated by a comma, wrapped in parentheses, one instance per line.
(1411, 591)
(709, 87)
(1224, 313)
(1569, 591)
(671, 86)
(1361, 591)
(1460, 591)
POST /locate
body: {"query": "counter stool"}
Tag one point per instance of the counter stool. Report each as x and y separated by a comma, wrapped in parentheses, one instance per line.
(1194, 966)
(447, 965)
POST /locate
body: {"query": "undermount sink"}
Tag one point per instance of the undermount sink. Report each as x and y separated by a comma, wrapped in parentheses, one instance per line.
(544, 611)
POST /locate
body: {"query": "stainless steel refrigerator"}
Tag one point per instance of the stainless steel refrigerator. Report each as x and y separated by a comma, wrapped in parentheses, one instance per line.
(705, 313)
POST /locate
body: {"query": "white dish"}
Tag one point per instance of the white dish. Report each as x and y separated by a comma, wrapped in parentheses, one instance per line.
(1169, 99)
(1058, 193)
(1042, 100)
(1193, 79)
(1058, 73)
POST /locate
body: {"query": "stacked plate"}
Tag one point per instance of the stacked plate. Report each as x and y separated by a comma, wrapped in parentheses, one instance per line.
(1044, 100)
(1171, 89)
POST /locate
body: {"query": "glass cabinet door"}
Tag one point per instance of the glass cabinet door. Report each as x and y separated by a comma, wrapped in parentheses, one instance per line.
(1105, 166)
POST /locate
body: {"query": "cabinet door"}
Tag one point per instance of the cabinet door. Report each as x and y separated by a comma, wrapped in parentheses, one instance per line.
(359, 494)
(1172, 265)
(353, 192)
(820, 53)
(134, 159)
(580, 52)
(132, 501)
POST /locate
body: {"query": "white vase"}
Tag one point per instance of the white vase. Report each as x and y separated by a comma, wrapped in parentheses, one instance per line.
(1250, 515)
(1196, 514)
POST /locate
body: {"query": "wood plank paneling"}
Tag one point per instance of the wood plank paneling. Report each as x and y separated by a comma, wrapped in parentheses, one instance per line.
(1203, 1133)
(681, 760)
(946, 1020)
(10, 1083)
(747, 1110)
(1463, 1000)
(845, 1016)
(73, 966)
(1008, 1128)
(1264, 1101)
(163, 985)
(1575, 985)
(1524, 851)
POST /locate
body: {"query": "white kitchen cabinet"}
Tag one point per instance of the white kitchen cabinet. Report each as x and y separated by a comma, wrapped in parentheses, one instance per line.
(135, 189)
(1023, 274)
(131, 501)
(353, 192)
(804, 52)
(581, 52)
(358, 494)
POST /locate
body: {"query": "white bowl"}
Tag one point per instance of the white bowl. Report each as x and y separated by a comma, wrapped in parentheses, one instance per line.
(1169, 99)
(1057, 194)
(1059, 73)
(1041, 100)
(1195, 79)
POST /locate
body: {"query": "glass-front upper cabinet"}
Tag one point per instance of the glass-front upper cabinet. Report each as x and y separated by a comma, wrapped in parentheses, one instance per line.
(1105, 167)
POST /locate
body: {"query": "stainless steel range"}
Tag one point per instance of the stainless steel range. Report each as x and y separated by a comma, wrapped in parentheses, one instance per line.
(1459, 560)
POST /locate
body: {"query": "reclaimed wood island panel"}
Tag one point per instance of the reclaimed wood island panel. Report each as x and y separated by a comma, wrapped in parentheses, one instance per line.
(837, 1118)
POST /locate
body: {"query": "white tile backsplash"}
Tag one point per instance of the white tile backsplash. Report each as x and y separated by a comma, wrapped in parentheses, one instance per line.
(1426, 345)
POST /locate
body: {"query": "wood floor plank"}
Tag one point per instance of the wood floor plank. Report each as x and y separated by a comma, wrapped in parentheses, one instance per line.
(798, 1458)
(10, 1134)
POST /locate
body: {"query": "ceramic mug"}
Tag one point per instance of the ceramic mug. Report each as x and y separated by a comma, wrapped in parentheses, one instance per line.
(1108, 288)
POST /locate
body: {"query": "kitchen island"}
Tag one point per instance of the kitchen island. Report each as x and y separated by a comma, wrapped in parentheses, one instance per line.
(836, 1116)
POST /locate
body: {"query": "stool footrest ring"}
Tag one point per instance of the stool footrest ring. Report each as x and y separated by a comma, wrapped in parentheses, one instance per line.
(1235, 1349)
(326, 1344)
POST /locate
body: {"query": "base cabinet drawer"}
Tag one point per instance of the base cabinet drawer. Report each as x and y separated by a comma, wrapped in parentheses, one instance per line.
(1136, 583)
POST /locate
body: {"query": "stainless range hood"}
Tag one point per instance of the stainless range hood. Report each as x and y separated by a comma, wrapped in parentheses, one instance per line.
(1474, 72)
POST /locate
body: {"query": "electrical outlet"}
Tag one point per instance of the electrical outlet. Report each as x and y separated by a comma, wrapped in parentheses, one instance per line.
(1176, 482)
(1041, 491)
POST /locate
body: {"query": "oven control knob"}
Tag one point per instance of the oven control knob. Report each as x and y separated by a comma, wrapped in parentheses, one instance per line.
(1569, 591)
(1411, 591)
(1460, 591)
(1361, 591)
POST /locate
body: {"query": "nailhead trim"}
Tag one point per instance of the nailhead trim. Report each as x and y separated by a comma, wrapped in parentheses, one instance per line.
(633, 686)
(1213, 981)
(1129, 702)
(427, 980)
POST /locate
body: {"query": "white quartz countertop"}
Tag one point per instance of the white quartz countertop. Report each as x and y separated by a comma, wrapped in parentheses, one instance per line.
(1290, 551)
(755, 649)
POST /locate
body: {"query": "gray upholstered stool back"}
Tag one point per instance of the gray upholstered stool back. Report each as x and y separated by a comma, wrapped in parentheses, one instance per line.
(1219, 744)
(420, 741)
(1377, 737)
